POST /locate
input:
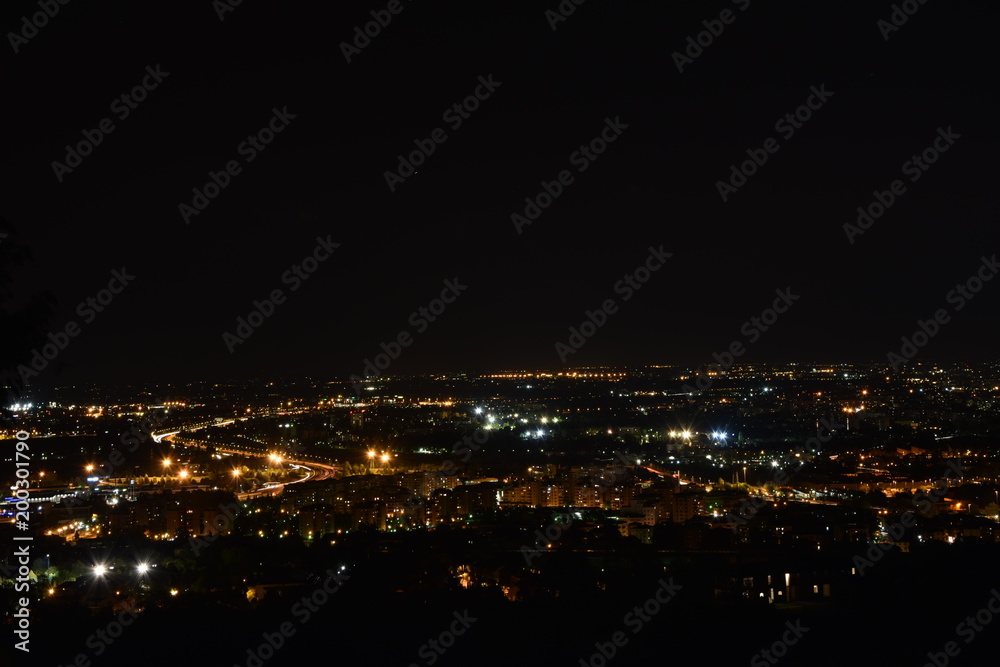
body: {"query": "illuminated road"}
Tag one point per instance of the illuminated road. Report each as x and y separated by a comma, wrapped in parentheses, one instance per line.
(313, 470)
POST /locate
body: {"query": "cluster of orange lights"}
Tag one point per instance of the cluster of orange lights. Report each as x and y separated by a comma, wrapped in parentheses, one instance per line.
(384, 457)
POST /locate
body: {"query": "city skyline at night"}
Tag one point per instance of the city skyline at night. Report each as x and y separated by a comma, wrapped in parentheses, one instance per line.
(569, 332)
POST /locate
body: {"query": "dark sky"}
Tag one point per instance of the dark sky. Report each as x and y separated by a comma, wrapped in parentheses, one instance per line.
(656, 184)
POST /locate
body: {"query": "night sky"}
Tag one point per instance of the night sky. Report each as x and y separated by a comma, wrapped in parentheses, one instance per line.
(323, 175)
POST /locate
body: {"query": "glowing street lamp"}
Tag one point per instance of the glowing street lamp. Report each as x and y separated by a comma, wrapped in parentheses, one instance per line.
(142, 568)
(385, 458)
(89, 467)
(183, 474)
(100, 570)
(166, 463)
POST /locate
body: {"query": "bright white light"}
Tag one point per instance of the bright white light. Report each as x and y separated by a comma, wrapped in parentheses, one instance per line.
(686, 434)
(490, 418)
(774, 464)
(100, 570)
(539, 433)
(479, 411)
(142, 568)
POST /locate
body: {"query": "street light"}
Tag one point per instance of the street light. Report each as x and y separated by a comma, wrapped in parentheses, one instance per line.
(89, 467)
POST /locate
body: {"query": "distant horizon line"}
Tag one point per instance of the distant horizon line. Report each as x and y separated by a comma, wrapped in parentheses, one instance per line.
(498, 374)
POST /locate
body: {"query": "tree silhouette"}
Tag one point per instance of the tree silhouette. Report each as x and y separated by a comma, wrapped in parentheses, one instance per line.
(24, 319)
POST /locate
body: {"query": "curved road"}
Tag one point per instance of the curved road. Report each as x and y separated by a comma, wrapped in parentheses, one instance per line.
(314, 471)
